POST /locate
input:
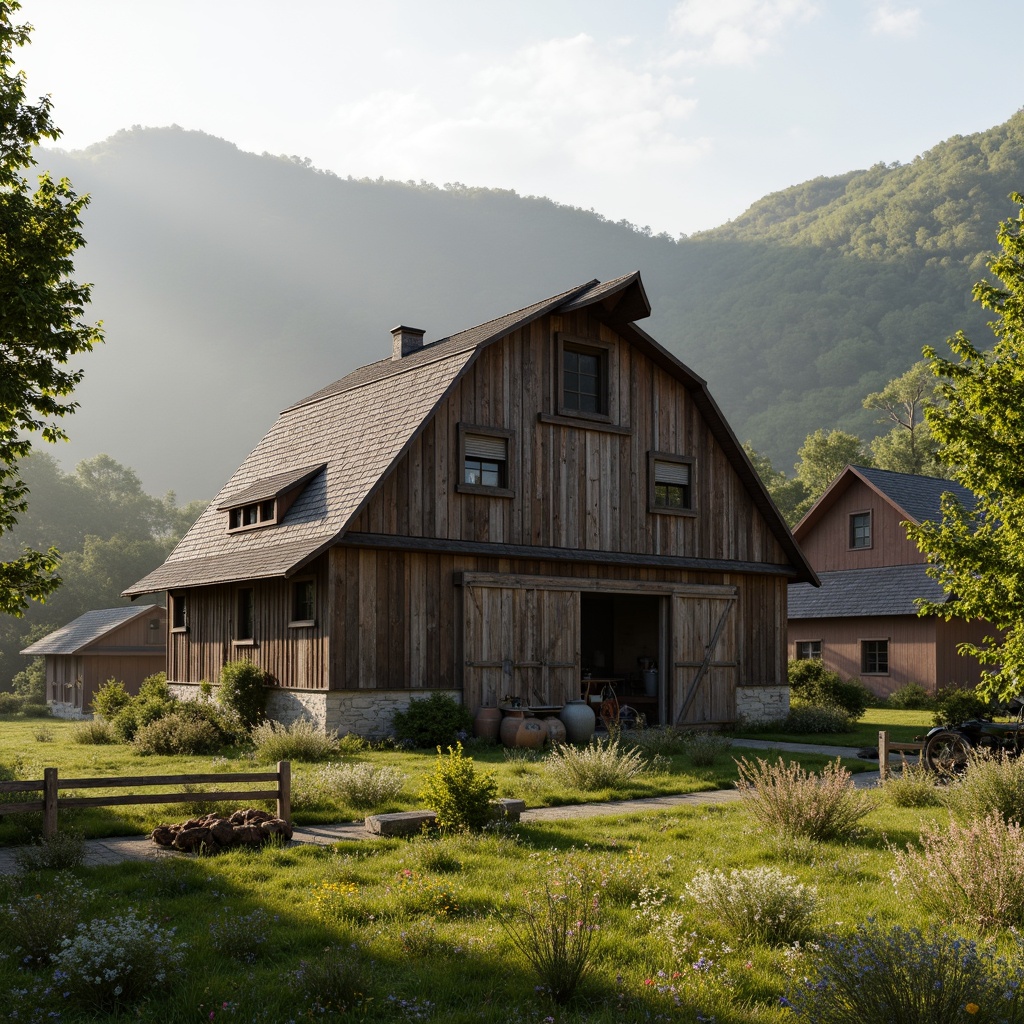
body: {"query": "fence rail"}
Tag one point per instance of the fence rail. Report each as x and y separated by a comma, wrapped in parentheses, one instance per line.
(51, 785)
(887, 747)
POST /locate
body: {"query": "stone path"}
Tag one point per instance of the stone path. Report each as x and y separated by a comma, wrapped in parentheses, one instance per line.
(115, 850)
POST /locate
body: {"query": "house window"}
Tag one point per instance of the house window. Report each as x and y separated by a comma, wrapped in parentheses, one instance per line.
(807, 650)
(860, 530)
(485, 461)
(258, 513)
(584, 378)
(303, 603)
(874, 657)
(670, 483)
(246, 623)
(179, 612)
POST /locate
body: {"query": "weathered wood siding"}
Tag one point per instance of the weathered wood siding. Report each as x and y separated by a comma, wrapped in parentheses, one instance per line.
(576, 485)
(952, 668)
(827, 542)
(293, 656)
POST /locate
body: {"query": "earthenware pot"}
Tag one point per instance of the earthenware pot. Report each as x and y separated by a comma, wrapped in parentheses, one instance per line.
(555, 728)
(487, 724)
(510, 726)
(579, 721)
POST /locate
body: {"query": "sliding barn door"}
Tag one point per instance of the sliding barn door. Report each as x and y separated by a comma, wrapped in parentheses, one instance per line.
(522, 642)
(705, 657)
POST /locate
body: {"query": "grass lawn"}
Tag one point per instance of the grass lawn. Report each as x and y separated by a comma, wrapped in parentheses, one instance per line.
(903, 727)
(39, 743)
(412, 929)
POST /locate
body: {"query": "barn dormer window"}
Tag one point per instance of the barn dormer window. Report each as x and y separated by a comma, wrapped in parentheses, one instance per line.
(265, 502)
(584, 378)
(485, 461)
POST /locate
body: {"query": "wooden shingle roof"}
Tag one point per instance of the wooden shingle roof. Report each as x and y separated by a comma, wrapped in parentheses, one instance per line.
(360, 426)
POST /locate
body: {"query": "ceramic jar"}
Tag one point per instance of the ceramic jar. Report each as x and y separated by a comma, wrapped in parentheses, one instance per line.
(579, 721)
(510, 722)
(487, 724)
(556, 730)
(532, 734)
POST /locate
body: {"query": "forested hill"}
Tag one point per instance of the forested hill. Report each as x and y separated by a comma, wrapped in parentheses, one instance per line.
(232, 284)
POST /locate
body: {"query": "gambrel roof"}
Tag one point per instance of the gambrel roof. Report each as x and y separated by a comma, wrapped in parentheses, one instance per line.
(359, 427)
(917, 498)
(87, 629)
(854, 593)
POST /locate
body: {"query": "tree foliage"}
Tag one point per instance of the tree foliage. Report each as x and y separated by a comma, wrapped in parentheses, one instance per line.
(977, 554)
(909, 447)
(41, 325)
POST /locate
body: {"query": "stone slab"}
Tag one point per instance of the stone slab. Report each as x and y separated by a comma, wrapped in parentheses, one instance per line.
(401, 823)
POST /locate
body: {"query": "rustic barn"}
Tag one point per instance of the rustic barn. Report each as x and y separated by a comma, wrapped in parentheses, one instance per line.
(107, 643)
(863, 621)
(547, 496)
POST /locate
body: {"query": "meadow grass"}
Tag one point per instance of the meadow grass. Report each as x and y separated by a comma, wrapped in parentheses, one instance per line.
(411, 929)
(902, 726)
(530, 781)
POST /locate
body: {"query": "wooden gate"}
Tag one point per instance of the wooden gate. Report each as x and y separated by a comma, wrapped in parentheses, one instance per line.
(519, 641)
(705, 657)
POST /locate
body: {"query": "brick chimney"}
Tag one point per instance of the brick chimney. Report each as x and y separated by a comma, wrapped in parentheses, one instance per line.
(405, 341)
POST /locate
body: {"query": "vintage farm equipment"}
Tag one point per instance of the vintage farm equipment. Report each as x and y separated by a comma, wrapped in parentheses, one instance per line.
(948, 749)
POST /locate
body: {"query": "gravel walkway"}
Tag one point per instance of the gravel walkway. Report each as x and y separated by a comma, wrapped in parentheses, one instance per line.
(99, 852)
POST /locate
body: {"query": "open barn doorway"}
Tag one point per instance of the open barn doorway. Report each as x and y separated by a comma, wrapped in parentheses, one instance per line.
(620, 645)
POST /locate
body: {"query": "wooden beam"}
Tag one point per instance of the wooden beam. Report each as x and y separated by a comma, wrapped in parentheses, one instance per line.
(589, 584)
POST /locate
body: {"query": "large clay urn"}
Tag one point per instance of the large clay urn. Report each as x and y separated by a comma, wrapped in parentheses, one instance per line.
(532, 733)
(510, 726)
(487, 724)
(556, 730)
(579, 720)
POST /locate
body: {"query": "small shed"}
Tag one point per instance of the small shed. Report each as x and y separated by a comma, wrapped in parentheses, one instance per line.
(128, 644)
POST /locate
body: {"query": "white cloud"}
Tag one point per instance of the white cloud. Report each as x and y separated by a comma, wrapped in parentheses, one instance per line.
(733, 32)
(891, 21)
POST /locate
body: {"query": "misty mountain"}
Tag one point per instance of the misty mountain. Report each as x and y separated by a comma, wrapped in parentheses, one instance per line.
(232, 284)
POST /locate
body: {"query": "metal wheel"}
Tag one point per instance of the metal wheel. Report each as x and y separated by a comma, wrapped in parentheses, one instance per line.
(946, 753)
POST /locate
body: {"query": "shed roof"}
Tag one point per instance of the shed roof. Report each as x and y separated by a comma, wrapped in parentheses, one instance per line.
(855, 593)
(87, 629)
(363, 424)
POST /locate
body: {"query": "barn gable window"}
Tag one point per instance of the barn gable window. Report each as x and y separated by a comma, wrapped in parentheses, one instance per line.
(265, 502)
(485, 461)
(860, 530)
(585, 378)
(670, 484)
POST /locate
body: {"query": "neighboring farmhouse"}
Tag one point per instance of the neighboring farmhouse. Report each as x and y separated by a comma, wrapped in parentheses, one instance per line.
(494, 514)
(107, 643)
(863, 621)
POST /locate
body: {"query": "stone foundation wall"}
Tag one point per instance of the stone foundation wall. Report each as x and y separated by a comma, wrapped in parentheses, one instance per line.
(762, 703)
(62, 709)
(366, 713)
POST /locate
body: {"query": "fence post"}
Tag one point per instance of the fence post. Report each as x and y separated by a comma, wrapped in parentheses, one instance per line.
(883, 754)
(284, 790)
(49, 802)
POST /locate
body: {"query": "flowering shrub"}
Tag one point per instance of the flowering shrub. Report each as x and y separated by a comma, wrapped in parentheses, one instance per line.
(788, 799)
(63, 850)
(333, 901)
(423, 894)
(329, 984)
(35, 923)
(913, 786)
(242, 937)
(991, 784)
(907, 976)
(557, 931)
(704, 748)
(760, 903)
(970, 873)
(823, 718)
(112, 963)
(96, 731)
(300, 741)
(360, 785)
(599, 765)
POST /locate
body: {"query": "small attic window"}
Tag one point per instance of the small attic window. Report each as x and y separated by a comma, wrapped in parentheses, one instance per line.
(266, 502)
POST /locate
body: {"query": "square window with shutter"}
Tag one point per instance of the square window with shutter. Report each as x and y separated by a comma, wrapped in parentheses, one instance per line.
(484, 461)
(670, 483)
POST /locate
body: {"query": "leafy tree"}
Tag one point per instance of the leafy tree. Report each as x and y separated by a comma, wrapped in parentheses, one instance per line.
(823, 455)
(909, 447)
(788, 494)
(41, 324)
(977, 554)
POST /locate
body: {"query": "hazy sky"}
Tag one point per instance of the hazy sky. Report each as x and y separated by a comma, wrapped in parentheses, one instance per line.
(676, 115)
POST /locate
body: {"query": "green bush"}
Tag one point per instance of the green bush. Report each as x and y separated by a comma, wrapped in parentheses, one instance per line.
(435, 721)
(911, 697)
(30, 683)
(459, 794)
(957, 704)
(991, 784)
(110, 698)
(96, 731)
(10, 704)
(599, 765)
(300, 741)
(821, 718)
(32, 710)
(812, 683)
(178, 733)
(243, 691)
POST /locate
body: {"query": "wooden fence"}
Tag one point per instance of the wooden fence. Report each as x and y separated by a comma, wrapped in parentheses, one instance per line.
(51, 785)
(887, 747)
